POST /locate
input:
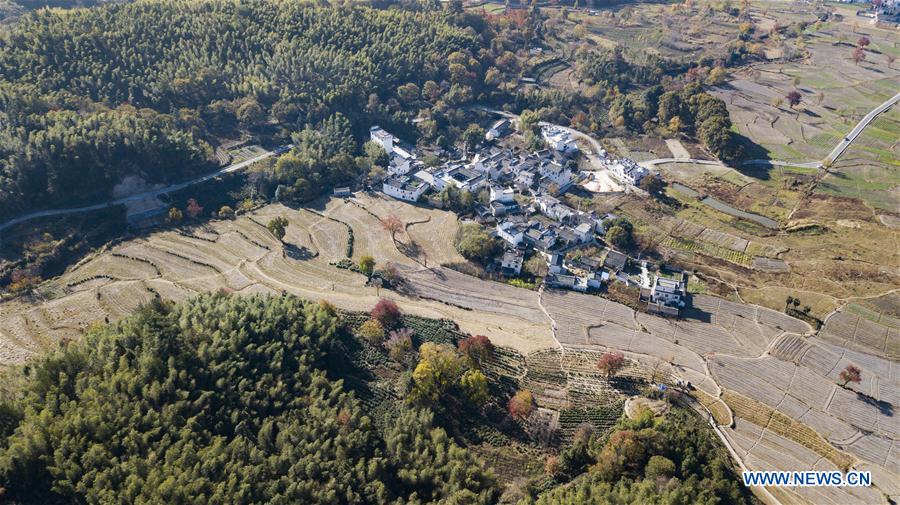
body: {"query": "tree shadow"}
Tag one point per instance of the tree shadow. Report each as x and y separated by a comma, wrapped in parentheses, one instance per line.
(298, 253)
(885, 408)
(758, 154)
(410, 250)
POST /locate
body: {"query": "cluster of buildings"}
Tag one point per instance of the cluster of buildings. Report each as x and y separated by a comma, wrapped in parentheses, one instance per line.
(545, 171)
(523, 207)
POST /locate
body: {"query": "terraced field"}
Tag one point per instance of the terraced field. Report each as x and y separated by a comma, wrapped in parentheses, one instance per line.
(759, 371)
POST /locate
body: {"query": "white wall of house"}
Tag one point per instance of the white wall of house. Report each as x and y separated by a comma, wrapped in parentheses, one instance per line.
(512, 235)
(410, 194)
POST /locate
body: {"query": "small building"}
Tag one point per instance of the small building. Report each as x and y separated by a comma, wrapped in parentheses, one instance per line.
(555, 264)
(512, 260)
(465, 179)
(668, 291)
(383, 138)
(342, 192)
(512, 233)
(556, 173)
(615, 261)
(667, 295)
(559, 139)
(553, 208)
(499, 129)
(499, 209)
(525, 179)
(504, 195)
(404, 187)
(434, 179)
(584, 232)
(541, 239)
(628, 171)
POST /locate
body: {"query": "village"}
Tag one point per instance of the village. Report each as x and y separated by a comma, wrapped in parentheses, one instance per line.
(520, 203)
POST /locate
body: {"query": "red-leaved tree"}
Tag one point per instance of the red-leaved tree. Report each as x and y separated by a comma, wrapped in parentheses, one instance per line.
(392, 224)
(521, 405)
(477, 348)
(386, 312)
(611, 362)
(850, 374)
(193, 208)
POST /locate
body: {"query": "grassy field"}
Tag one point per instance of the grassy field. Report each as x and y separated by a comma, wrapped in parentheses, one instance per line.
(835, 91)
(870, 169)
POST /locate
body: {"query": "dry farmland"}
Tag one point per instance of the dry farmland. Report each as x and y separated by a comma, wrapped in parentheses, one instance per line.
(550, 340)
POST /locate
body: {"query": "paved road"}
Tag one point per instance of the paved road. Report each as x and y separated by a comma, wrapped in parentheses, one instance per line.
(145, 194)
(660, 161)
(850, 137)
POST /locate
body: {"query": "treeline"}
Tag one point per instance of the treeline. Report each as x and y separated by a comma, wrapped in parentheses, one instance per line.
(675, 460)
(611, 69)
(209, 70)
(687, 110)
(68, 157)
(297, 60)
(218, 400)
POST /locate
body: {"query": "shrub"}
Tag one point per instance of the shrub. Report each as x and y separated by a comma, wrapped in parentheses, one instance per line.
(371, 330)
(399, 344)
(659, 466)
(552, 466)
(386, 312)
(521, 405)
(226, 212)
(366, 265)
(475, 243)
(277, 227)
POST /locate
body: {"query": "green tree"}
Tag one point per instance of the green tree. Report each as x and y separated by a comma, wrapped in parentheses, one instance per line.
(277, 226)
(473, 136)
(475, 387)
(475, 243)
(618, 237)
(367, 265)
(436, 375)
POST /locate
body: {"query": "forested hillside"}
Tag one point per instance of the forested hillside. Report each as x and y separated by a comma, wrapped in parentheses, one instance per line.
(207, 69)
(218, 400)
(256, 399)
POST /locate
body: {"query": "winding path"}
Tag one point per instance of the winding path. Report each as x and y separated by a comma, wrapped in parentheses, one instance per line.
(144, 194)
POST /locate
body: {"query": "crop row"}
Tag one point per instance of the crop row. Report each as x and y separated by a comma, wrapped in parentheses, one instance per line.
(766, 417)
(708, 249)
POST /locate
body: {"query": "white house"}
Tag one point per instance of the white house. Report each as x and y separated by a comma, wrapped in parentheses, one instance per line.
(464, 178)
(556, 173)
(404, 187)
(432, 178)
(552, 208)
(498, 129)
(505, 195)
(512, 233)
(584, 232)
(628, 171)
(668, 291)
(383, 138)
(512, 261)
(559, 139)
